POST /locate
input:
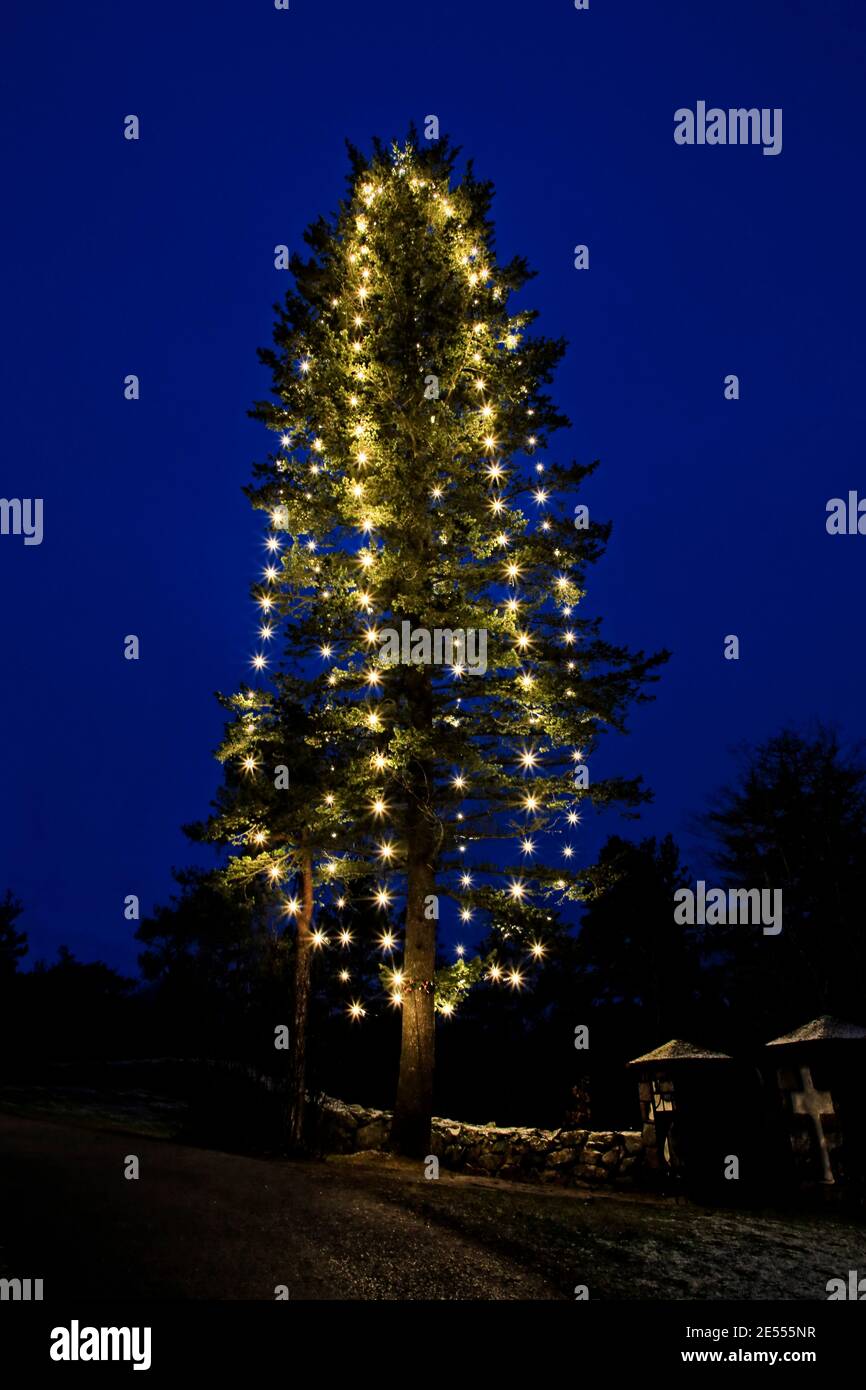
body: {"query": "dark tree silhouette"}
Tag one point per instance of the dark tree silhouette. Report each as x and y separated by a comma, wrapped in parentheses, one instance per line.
(13, 944)
(795, 820)
(632, 953)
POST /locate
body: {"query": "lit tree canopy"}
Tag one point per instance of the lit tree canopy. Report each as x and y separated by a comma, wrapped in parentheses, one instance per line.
(428, 576)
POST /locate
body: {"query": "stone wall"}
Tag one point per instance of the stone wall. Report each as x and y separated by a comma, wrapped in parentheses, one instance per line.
(567, 1156)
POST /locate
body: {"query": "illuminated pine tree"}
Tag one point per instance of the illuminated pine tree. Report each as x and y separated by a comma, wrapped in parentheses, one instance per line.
(275, 814)
(414, 484)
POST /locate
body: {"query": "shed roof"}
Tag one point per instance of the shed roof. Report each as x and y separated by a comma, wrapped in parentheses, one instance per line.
(822, 1029)
(678, 1051)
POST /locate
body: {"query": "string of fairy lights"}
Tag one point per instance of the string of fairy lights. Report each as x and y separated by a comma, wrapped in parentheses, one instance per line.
(363, 285)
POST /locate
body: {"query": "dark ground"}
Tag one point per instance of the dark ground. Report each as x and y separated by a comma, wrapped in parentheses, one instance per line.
(205, 1224)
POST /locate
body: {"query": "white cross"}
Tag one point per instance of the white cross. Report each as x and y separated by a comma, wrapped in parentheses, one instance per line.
(815, 1104)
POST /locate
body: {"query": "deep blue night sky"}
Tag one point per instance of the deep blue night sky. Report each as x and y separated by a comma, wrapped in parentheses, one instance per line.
(156, 258)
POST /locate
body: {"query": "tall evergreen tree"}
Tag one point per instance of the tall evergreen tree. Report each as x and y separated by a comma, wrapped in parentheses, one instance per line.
(412, 482)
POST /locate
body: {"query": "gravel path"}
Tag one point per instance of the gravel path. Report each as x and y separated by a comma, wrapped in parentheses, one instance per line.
(205, 1224)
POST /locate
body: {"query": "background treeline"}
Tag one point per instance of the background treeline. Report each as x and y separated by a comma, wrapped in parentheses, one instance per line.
(216, 973)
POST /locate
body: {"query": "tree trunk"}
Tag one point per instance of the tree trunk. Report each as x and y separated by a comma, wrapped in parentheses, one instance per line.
(410, 1131)
(300, 1012)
